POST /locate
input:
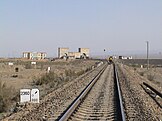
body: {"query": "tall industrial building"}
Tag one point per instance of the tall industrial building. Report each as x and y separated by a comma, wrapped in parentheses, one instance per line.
(82, 53)
(62, 52)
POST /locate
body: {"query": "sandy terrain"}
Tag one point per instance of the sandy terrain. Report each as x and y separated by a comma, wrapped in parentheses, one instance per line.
(27, 73)
(154, 73)
(25, 76)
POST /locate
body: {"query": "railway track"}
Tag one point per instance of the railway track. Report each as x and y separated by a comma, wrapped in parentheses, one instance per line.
(157, 93)
(137, 104)
(56, 102)
(153, 93)
(100, 100)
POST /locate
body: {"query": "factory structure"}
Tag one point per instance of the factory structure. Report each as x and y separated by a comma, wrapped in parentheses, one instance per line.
(64, 53)
(34, 55)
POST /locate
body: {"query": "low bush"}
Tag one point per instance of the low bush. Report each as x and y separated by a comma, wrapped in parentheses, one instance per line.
(46, 78)
(70, 73)
(150, 77)
(28, 66)
(88, 69)
(7, 96)
(80, 72)
(53, 79)
(141, 73)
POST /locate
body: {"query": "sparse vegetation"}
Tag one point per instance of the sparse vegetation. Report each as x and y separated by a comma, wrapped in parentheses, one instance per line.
(53, 79)
(80, 72)
(141, 73)
(70, 73)
(7, 96)
(150, 77)
(61, 72)
(46, 78)
(28, 66)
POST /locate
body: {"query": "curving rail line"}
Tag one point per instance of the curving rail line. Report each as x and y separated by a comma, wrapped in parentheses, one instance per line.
(154, 90)
(153, 93)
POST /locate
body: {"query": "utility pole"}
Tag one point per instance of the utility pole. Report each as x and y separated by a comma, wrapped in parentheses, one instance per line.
(147, 54)
(104, 54)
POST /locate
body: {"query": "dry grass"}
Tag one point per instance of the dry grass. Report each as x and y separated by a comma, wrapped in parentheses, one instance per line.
(46, 78)
(150, 77)
(7, 96)
(54, 80)
(141, 73)
(61, 72)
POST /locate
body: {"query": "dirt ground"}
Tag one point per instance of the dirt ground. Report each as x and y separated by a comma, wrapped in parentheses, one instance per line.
(24, 77)
(153, 74)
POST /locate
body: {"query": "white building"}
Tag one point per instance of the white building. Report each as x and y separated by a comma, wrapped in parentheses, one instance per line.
(125, 57)
(34, 55)
(82, 53)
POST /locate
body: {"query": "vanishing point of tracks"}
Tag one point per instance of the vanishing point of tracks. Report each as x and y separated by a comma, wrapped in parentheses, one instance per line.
(100, 100)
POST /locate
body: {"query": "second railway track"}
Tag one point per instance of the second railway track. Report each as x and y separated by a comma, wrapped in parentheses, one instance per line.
(102, 102)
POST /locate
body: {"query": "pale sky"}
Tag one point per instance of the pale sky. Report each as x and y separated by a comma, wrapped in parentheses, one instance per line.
(119, 26)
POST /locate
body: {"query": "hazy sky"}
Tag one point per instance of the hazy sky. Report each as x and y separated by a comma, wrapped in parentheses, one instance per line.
(119, 26)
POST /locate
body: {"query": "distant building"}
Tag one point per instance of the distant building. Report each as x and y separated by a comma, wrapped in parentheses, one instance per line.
(34, 55)
(63, 52)
(114, 56)
(130, 57)
(82, 53)
(125, 57)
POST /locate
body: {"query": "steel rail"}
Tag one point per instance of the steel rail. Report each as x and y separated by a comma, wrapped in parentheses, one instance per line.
(121, 114)
(79, 99)
(154, 90)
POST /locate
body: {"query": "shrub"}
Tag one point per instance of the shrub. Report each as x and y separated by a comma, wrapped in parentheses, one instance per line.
(46, 78)
(7, 95)
(70, 73)
(28, 66)
(80, 72)
(53, 80)
(150, 77)
(1, 104)
(88, 69)
(141, 73)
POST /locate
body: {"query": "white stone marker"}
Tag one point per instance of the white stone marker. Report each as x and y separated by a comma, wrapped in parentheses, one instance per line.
(24, 95)
(33, 63)
(35, 96)
(48, 69)
(10, 64)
